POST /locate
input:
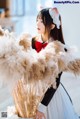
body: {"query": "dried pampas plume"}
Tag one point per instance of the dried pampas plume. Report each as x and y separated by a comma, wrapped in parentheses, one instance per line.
(1, 31)
(74, 67)
(25, 41)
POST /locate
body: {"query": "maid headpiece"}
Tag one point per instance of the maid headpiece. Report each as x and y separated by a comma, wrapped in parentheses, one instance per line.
(55, 16)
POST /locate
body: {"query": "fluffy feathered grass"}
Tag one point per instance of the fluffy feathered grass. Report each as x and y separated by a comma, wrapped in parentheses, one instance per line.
(33, 72)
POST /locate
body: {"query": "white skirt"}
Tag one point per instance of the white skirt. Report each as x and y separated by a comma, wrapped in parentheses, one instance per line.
(60, 107)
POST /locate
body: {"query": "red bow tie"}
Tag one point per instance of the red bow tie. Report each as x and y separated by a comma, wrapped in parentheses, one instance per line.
(40, 45)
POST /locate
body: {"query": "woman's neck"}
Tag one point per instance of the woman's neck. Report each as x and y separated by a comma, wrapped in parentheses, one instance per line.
(44, 38)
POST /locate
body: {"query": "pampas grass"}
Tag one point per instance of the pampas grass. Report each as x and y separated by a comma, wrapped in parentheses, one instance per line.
(32, 72)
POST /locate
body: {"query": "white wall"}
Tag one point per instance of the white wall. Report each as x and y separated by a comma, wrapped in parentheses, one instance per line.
(71, 23)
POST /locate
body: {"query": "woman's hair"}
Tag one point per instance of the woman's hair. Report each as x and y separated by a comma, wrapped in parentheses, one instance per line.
(55, 33)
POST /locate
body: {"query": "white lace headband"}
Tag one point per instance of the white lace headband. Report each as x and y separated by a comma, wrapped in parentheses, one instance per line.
(55, 16)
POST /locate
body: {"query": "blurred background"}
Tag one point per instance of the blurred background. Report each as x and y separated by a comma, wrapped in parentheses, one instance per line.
(19, 16)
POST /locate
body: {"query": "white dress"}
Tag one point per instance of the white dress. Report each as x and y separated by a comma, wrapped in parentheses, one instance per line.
(60, 107)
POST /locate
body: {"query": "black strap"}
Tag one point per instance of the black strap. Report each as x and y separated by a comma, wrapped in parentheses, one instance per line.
(66, 92)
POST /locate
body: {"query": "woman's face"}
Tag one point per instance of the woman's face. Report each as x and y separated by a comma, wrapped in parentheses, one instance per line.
(40, 26)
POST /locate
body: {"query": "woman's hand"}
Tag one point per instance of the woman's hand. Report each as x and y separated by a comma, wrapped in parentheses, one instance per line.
(40, 115)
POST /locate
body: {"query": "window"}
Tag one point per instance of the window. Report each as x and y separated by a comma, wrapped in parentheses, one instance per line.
(17, 7)
(28, 7)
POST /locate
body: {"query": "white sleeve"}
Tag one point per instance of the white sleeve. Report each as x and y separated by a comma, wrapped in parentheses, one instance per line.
(42, 108)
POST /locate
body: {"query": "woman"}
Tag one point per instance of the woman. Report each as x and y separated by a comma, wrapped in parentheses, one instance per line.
(56, 103)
